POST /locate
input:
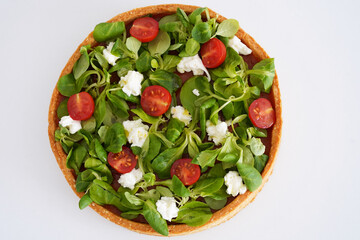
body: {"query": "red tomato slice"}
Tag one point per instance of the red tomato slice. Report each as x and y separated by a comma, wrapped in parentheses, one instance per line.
(186, 171)
(124, 161)
(81, 106)
(144, 29)
(213, 53)
(155, 100)
(261, 113)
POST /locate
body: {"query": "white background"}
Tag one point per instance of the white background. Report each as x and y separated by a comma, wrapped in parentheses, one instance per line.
(314, 190)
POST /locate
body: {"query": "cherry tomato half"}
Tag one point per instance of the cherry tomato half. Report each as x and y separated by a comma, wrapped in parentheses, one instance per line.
(124, 161)
(187, 172)
(261, 113)
(81, 106)
(144, 29)
(213, 53)
(155, 100)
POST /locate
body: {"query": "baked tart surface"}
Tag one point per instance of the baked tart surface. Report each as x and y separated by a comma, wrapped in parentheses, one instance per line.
(233, 204)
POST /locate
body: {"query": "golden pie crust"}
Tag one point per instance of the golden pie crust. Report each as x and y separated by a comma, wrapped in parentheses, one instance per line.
(218, 217)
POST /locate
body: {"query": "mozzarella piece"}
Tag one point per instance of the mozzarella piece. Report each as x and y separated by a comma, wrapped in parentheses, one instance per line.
(166, 206)
(182, 114)
(128, 180)
(131, 83)
(194, 64)
(236, 44)
(234, 184)
(196, 92)
(108, 56)
(73, 125)
(136, 132)
(217, 133)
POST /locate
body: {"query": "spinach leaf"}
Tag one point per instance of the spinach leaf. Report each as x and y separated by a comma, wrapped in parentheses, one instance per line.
(228, 28)
(192, 47)
(154, 218)
(179, 188)
(207, 186)
(168, 18)
(170, 62)
(248, 157)
(62, 109)
(174, 129)
(67, 85)
(122, 66)
(119, 106)
(76, 157)
(108, 31)
(163, 162)
(101, 60)
(133, 45)
(188, 99)
(150, 149)
(256, 132)
(103, 193)
(121, 50)
(115, 138)
(257, 147)
(168, 80)
(194, 214)
(195, 16)
(207, 158)
(120, 93)
(183, 17)
(216, 172)
(262, 74)
(89, 125)
(230, 148)
(130, 214)
(144, 116)
(143, 63)
(100, 151)
(220, 194)
(85, 201)
(100, 110)
(160, 44)
(85, 178)
(99, 167)
(250, 176)
(82, 64)
(215, 204)
(149, 178)
(151, 194)
(164, 191)
(260, 162)
(201, 32)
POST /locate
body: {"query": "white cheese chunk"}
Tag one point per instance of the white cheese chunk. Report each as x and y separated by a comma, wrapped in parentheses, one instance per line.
(131, 83)
(196, 92)
(136, 132)
(234, 184)
(73, 125)
(166, 206)
(194, 64)
(128, 180)
(217, 133)
(181, 113)
(108, 56)
(236, 44)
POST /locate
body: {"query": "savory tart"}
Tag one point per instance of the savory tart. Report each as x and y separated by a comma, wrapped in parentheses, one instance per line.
(167, 119)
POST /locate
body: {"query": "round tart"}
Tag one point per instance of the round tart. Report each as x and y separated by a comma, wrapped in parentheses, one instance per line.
(233, 206)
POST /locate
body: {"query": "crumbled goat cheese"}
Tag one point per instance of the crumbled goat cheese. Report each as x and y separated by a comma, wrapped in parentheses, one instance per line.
(136, 132)
(194, 64)
(196, 92)
(108, 56)
(166, 206)
(131, 83)
(181, 113)
(73, 125)
(128, 180)
(234, 183)
(216, 133)
(236, 44)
